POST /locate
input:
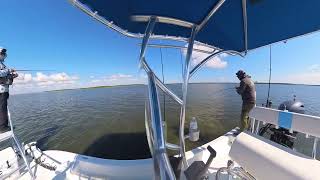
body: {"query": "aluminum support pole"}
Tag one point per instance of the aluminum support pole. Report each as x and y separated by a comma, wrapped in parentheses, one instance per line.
(20, 148)
(146, 37)
(207, 18)
(166, 90)
(184, 94)
(163, 167)
(314, 150)
(180, 47)
(198, 66)
(245, 23)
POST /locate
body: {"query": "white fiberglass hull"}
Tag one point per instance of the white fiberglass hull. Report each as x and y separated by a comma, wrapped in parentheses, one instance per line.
(74, 166)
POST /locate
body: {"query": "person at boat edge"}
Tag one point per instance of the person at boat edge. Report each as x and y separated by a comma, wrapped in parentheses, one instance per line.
(6, 78)
(247, 91)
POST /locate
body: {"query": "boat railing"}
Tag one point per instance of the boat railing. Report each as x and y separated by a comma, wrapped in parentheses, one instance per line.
(307, 124)
(155, 132)
(16, 144)
(154, 124)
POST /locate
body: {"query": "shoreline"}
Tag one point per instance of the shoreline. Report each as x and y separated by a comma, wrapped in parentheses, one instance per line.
(96, 87)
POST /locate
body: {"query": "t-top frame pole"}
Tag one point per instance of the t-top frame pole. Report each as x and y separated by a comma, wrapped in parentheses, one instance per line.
(186, 75)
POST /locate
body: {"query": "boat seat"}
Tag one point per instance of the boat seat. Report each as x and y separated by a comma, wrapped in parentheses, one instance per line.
(264, 159)
(91, 167)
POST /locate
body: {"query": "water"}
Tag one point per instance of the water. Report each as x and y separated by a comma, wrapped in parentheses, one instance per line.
(109, 122)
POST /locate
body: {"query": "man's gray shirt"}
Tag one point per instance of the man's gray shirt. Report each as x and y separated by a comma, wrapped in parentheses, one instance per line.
(4, 71)
(247, 90)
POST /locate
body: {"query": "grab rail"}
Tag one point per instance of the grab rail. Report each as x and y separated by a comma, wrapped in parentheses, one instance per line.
(310, 125)
(19, 146)
(156, 132)
(293, 121)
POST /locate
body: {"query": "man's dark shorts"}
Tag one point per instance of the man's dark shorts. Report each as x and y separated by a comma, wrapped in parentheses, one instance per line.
(4, 109)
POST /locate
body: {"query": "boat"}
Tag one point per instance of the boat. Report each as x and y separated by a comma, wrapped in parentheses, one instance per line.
(234, 27)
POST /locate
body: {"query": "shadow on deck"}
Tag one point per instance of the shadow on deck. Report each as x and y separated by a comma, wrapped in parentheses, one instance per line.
(121, 146)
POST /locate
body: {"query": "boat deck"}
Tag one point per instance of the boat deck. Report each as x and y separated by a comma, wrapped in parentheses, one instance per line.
(68, 165)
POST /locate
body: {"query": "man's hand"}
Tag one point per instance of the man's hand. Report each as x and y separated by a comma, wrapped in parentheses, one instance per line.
(237, 89)
(14, 74)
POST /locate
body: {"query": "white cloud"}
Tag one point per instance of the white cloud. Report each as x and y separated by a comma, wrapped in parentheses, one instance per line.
(23, 78)
(96, 80)
(314, 68)
(57, 77)
(216, 62)
(43, 78)
(118, 79)
(311, 76)
(26, 82)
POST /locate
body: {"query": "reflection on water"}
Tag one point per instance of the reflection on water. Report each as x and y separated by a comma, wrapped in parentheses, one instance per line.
(120, 146)
(47, 133)
(109, 122)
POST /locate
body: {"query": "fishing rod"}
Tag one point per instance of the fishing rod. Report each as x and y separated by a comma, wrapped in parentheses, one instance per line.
(33, 70)
(268, 104)
(164, 97)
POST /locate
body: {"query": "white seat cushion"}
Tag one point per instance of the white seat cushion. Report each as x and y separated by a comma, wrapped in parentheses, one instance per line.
(5, 136)
(265, 159)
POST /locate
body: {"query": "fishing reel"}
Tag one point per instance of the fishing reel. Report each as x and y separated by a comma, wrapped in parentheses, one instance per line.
(10, 77)
(8, 80)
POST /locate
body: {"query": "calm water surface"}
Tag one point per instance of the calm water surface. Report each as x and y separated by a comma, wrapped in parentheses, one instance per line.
(109, 122)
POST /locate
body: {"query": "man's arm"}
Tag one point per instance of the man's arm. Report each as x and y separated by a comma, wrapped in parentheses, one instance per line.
(241, 88)
(4, 72)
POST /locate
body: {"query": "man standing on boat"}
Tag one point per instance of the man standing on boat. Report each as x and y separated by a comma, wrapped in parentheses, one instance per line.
(247, 91)
(6, 79)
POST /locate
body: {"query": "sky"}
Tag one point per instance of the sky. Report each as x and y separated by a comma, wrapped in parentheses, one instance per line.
(69, 49)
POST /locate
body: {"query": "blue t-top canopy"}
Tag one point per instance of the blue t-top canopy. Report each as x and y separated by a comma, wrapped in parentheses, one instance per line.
(237, 25)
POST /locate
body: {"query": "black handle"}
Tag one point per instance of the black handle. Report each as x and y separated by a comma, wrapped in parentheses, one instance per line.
(212, 151)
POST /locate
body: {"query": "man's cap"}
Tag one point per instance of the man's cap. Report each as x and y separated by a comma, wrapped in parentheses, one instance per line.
(3, 50)
(240, 72)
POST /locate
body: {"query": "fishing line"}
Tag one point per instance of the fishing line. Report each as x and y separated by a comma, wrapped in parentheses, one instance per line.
(266, 127)
(223, 90)
(164, 96)
(181, 61)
